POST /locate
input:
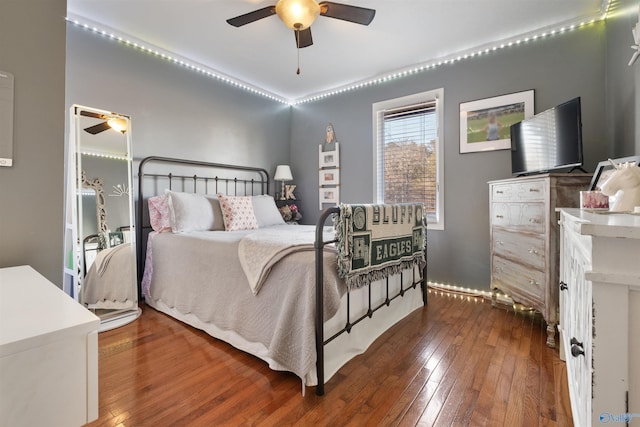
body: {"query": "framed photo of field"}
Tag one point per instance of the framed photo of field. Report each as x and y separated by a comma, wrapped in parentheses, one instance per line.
(485, 124)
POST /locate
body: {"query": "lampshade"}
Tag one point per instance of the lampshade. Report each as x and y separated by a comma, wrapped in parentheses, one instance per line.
(297, 14)
(283, 173)
(118, 123)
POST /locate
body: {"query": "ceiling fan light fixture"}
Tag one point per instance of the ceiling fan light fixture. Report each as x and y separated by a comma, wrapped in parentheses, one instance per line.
(118, 124)
(298, 14)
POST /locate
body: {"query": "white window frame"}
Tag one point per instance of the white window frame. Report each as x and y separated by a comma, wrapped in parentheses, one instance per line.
(378, 111)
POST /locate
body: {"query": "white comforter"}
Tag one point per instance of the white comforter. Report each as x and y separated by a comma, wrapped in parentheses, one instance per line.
(197, 278)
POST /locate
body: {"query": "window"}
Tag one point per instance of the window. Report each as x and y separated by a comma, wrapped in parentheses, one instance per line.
(408, 153)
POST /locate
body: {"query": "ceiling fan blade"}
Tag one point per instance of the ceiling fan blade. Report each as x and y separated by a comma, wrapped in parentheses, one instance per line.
(304, 38)
(358, 15)
(100, 127)
(250, 17)
(91, 114)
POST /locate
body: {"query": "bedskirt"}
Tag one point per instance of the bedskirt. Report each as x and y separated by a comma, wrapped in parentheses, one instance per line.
(207, 289)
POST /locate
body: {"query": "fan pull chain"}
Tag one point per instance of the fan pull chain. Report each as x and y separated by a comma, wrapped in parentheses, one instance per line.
(298, 46)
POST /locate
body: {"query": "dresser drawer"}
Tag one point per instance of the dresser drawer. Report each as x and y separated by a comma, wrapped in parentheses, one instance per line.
(522, 283)
(527, 249)
(521, 191)
(519, 216)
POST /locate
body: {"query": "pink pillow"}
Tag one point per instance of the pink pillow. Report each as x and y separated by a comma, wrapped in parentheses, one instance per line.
(237, 212)
(159, 213)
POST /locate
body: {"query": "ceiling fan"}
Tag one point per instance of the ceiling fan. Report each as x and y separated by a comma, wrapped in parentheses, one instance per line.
(300, 14)
(116, 123)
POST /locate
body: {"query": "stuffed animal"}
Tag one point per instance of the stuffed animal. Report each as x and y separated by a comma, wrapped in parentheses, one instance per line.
(285, 211)
(290, 213)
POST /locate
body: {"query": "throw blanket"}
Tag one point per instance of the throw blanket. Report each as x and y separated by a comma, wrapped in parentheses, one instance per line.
(377, 241)
(110, 282)
(260, 251)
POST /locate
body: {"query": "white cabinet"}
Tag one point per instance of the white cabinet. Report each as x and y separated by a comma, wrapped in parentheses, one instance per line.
(599, 315)
(48, 354)
(524, 242)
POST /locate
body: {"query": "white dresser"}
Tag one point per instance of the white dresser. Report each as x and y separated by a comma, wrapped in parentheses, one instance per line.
(600, 315)
(48, 354)
(524, 241)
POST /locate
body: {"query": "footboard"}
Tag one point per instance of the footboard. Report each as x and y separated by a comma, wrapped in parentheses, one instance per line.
(321, 342)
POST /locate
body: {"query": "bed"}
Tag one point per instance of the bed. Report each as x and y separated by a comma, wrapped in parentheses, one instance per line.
(292, 305)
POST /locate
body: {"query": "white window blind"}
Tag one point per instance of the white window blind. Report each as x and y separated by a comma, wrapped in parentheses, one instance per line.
(408, 154)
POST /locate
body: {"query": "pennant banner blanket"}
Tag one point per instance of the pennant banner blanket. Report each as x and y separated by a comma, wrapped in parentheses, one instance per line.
(377, 241)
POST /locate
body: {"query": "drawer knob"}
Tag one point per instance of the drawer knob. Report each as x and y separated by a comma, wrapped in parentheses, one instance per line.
(499, 242)
(533, 251)
(534, 190)
(576, 351)
(533, 282)
(577, 348)
(499, 192)
(499, 216)
(533, 220)
(563, 286)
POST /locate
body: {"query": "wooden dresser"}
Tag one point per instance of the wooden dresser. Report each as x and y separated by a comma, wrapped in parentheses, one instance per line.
(524, 238)
(600, 315)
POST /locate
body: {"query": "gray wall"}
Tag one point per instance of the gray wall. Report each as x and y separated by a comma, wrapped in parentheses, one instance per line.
(32, 48)
(175, 112)
(623, 97)
(558, 68)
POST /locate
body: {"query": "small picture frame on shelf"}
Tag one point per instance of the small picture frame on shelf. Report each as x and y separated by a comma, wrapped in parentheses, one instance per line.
(329, 177)
(116, 238)
(330, 195)
(329, 159)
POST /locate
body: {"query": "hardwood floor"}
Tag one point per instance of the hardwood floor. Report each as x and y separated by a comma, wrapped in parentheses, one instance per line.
(457, 362)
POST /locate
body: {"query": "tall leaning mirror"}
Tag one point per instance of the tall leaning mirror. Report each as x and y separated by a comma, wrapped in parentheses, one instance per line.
(100, 269)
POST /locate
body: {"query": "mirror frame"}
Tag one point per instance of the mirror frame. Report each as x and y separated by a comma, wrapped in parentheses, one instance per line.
(76, 179)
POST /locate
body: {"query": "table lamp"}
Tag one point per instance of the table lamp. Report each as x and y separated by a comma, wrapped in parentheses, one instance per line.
(283, 173)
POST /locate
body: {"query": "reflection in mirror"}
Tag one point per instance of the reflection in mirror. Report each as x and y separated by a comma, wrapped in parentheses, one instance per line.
(94, 218)
(104, 276)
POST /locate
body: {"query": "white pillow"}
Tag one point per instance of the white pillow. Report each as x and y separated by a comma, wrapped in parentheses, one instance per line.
(266, 211)
(194, 212)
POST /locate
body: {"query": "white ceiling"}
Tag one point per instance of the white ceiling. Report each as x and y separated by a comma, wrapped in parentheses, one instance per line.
(403, 34)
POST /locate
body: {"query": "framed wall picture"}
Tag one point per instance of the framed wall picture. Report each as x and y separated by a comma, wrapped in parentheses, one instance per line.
(329, 195)
(485, 123)
(329, 177)
(329, 159)
(606, 168)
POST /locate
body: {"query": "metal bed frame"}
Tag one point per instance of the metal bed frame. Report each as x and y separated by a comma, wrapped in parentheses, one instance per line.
(263, 184)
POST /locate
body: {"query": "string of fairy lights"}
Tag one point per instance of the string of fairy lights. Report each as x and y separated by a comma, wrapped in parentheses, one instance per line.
(416, 69)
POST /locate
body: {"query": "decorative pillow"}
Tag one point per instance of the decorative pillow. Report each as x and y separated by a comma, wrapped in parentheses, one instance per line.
(159, 216)
(237, 212)
(266, 211)
(193, 212)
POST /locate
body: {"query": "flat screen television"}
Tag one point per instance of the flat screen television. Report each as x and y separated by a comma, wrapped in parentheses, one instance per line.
(548, 141)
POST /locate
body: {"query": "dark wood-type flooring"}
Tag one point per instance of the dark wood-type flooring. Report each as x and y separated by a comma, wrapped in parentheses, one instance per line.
(457, 362)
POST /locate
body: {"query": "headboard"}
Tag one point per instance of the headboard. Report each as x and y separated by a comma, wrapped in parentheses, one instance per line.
(157, 174)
